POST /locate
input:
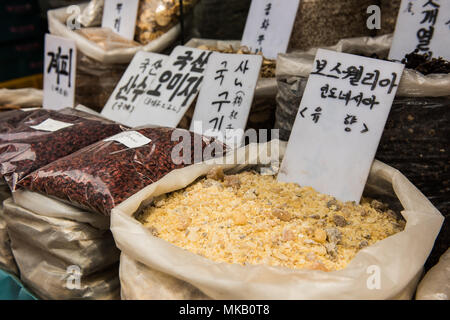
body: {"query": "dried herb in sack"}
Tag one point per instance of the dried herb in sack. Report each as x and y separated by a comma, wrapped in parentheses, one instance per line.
(10, 119)
(104, 174)
(25, 149)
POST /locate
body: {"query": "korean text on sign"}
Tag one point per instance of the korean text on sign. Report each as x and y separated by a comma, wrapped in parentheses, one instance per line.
(123, 102)
(59, 72)
(175, 87)
(339, 123)
(269, 26)
(422, 25)
(120, 16)
(226, 97)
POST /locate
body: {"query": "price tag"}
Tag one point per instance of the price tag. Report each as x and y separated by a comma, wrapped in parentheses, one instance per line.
(269, 26)
(175, 87)
(131, 139)
(422, 25)
(60, 63)
(51, 125)
(134, 83)
(339, 123)
(224, 104)
(120, 16)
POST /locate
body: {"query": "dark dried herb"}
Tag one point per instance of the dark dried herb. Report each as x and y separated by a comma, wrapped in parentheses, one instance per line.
(24, 149)
(104, 174)
(425, 64)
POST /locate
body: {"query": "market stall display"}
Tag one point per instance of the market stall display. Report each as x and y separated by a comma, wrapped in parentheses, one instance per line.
(415, 139)
(400, 257)
(102, 56)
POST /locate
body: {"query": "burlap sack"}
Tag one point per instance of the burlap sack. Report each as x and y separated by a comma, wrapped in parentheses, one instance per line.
(399, 258)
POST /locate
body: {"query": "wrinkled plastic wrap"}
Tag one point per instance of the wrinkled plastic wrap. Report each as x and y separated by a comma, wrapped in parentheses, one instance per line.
(9, 120)
(92, 14)
(416, 136)
(262, 112)
(323, 23)
(156, 17)
(57, 25)
(25, 149)
(47, 248)
(399, 258)
(436, 283)
(102, 175)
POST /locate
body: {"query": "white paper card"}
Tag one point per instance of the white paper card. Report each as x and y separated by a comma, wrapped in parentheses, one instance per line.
(131, 139)
(225, 99)
(339, 123)
(51, 125)
(422, 25)
(60, 64)
(134, 83)
(120, 16)
(176, 86)
(269, 26)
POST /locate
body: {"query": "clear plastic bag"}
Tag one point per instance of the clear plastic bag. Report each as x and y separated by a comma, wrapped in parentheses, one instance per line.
(25, 149)
(92, 14)
(101, 176)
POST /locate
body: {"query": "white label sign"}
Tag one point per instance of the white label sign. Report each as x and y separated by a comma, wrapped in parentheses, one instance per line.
(120, 16)
(339, 123)
(51, 125)
(224, 102)
(175, 87)
(269, 26)
(123, 102)
(423, 25)
(131, 139)
(59, 72)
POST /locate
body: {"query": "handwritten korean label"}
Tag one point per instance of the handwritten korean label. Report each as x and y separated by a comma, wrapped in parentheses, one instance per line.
(224, 104)
(423, 25)
(269, 26)
(339, 123)
(120, 16)
(134, 83)
(131, 139)
(51, 125)
(176, 86)
(59, 72)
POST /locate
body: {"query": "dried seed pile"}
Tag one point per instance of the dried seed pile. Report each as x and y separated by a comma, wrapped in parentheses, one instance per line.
(323, 22)
(156, 17)
(267, 68)
(253, 219)
(425, 64)
(104, 174)
(24, 149)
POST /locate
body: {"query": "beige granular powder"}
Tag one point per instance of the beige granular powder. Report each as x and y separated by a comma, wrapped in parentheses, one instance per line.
(253, 219)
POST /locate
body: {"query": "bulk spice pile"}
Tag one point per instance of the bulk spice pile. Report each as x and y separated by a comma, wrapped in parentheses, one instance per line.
(249, 218)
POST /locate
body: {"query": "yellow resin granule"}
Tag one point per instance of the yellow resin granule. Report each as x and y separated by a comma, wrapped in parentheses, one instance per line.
(249, 218)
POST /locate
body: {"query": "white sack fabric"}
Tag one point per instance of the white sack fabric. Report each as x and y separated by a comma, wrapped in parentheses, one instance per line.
(396, 261)
(436, 283)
